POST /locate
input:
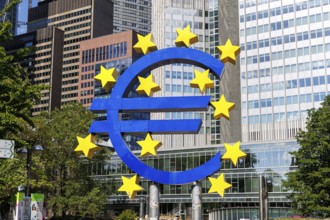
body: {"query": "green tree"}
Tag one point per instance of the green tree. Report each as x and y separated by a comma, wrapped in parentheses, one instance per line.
(72, 191)
(60, 173)
(310, 183)
(17, 96)
(127, 214)
(17, 93)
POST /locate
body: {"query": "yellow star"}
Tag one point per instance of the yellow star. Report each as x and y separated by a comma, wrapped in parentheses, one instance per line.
(228, 52)
(185, 37)
(202, 81)
(147, 86)
(130, 186)
(145, 44)
(219, 185)
(107, 77)
(233, 153)
(87, 146)
(149, 146)
(222, 108)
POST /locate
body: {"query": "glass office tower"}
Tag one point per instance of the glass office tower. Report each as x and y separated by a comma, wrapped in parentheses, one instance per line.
(285, 65)
(132, 15)
(174, 79)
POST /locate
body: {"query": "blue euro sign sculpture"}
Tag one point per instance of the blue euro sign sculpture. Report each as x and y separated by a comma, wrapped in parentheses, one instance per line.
(114, 127)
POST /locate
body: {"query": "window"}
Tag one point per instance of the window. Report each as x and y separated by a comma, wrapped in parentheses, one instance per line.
(327, 32)
(167, 88)
(256, 104)
(322, 96)
(301, 82)
(244, 105)
(244, 120)
(253, 104)
(254, 119)
(174, 75)
(125, 49)
(317, 97)
(295, 99)
(167, 74)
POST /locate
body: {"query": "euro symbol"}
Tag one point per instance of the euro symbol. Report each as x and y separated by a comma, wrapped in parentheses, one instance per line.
(115, 127)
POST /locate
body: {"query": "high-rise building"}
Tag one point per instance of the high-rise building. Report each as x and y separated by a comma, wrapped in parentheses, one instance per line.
(80, 20)
(174, 79)
(202, 16)
(44, 64)
(110, 51)
(285, 61)
(132, 15)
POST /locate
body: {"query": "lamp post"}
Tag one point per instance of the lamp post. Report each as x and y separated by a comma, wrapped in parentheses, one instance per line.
(29, 152)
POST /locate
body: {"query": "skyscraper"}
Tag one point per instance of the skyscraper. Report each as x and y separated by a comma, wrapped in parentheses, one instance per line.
(174, 79)
(80, 20)
(132, 15)
(202, 16)
(285, 61)
(110, 51)
(44, 63)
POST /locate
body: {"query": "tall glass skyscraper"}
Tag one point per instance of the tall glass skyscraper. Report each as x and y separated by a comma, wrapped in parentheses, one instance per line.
(132, 15)
(285, 65)
(174, 79)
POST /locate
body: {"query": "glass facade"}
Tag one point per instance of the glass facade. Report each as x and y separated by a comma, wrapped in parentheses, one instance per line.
(272, 160)
(132, 15)
(174, 79)
(285, 52)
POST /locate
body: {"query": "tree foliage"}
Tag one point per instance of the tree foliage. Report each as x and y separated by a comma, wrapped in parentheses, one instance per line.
(59, 172)
(17, 94)
(310, 183)
(72, 191)
(127, 214)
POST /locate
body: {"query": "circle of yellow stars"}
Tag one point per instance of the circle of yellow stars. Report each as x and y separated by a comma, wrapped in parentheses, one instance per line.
(149, 147)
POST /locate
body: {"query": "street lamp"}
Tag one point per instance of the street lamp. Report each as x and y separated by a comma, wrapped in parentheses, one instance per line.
(37, 149)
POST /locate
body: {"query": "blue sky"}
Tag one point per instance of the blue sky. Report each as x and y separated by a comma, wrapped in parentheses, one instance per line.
(22, 15)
